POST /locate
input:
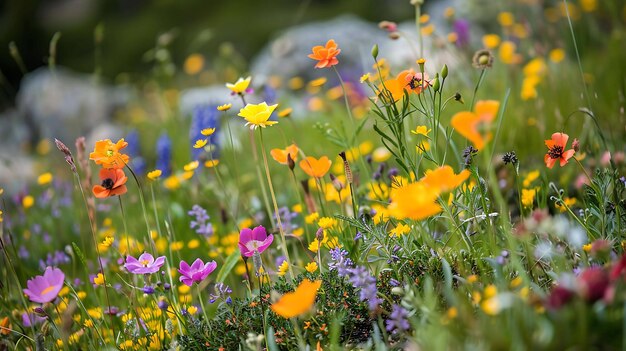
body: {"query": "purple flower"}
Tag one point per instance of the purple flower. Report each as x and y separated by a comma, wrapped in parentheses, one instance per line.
(197, 272)
(251, 240)
(201, 223)
(397, 321)
(45, 288)
(148, 290)
(31, 319)
(462, 29)
(340, 262)
(222, 291)
(145, 264)
(361, 278)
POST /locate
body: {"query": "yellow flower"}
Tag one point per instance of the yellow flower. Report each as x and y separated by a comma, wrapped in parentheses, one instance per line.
(326, 222)
(258, 115)
(298, 302)
(365, 78)
(28, 201)
(207, 131)
(107, 241)
(531, 177)
(45, 178)
(381, 154)
(172, 182)
(528, 197)
(472, 279)
(506, 19)
(568, 202)
(314, 245)
(318, 82)
(200, 143)
(193, 64)
(191, 166)
(452, 37)
(297, 208)
(491, 306)
(310, 219)
(399, 230)
(448, 12)
(211, 163)
(428, 30)
(311, 267)
(240, 86)
(422, 147)
(491, 41)
(282, 269)
(587, 247)
(589, 5)
(192, 310)
(557, 55)
(224, 107)
(507, 52)
(153, 175)
(99, 279)
(421, 130)
(1, 218)
(285, 112)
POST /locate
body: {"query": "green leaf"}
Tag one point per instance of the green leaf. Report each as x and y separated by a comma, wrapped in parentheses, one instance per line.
(228, 265)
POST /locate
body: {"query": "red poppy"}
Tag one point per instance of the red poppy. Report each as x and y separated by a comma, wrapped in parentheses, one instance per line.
(113, 182)
(556, 150)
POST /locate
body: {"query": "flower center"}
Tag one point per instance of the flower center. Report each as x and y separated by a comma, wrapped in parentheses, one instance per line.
(145, 263)
(47, 290)
(555, 152)
(415, 83)
(109, 153)
(108, 183)
(253, 244)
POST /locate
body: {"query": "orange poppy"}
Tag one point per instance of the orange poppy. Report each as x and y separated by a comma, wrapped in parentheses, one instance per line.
(280, 155)
(556, 150)
(416, 201)
(466, 123)
(314, 167)
(325, 55)
(408, 80)
(107, 154)
(298, 302)
(444, 179)
(113, 182)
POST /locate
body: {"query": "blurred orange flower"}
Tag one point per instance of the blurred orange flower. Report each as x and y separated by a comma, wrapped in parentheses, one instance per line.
(280, 155)
(298, 302)
(444, 179)
(466, 123)
(325, 55)
(113, 182)
(416, 201)
(408, 80)
(556, 150)
(107, 154)
(314, 167)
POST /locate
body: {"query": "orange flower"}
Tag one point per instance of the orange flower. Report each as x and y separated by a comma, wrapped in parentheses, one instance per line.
(280, 155)
(416, 201)
(107, 154)
(113, 183)
(406, 80)
(444, 179)
(556, 150)
(315, 168)
(326, 55)
(466, 123)
(300, 301)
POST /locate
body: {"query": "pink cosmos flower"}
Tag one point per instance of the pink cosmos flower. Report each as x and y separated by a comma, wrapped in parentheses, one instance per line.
(251, 240)
(145, 264)
(197, 272)
(45, 288)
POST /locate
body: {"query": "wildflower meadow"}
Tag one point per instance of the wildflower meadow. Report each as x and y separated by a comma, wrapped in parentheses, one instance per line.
(456, 184)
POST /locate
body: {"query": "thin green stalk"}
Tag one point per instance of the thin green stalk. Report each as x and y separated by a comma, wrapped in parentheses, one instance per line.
(480, 80)
(143, 209)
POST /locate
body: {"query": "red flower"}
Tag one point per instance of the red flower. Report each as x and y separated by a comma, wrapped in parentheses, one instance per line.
(556, 150)
(113, 183)
(326, 55)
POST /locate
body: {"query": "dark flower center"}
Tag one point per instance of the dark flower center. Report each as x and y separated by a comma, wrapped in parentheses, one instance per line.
(415, 83)
(108, 183)
(555, 152)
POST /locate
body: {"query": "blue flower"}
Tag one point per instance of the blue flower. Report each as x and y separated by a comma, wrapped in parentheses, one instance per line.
(203, 117)
(164, 155)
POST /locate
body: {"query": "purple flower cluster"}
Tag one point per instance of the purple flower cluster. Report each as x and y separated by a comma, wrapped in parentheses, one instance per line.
(358, 276)
(286, 217)
(201, 223)
(398, 321)
(54, 259)
(222, 292)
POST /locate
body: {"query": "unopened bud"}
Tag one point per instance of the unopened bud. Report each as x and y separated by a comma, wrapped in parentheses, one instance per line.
(290, 162)
(458, 97)
(436, 83)
(444, 71)
(346, 167)
(336, 183)
(576, 144)
(68, 154)
(375, 51)
(397, 290)
(319, 234)
(40, 312)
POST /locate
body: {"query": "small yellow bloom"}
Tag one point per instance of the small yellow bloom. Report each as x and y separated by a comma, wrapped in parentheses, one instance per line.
(531, 177)
(422, 147)
(192, 310)
(28, 201)
(381, 154)
(506, 19)
(297, 208)
(310, 219)
(194, 64)
(327, 222)
(107, 241)
(156, 174)
(318, 82)
(589, 5)
(211, 163)
(528, 197)
(490, 291)
(191, 166)
(296, 83)
(88, 324)
(285, 112)
(491, 41)
(428, 30)
(311, 267)
(44, 179)
(587, 247)
(491, 306)
(567, 202)
(557, 55)
(517, 281)
(99, 279)
(207, 131)
(314, 246)
(193, 244)
(399, 230)
(472, 279)
(424, 18)
(448, 12)
(282, 269)
(1, 218)
(240, 86)
(421, 130)
(452, 37)
(364, 78)
(452, 313)
(224, 107)
(258, 115)
(200, 143)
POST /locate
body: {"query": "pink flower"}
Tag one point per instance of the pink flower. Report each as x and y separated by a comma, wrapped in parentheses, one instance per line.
(45, 288)
(251, 240)
(145, 264)
(197, 272)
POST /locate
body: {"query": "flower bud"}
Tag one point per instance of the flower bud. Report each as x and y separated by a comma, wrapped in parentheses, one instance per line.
(444, 71)
(290, 162)
(319, 234)
(375, 51)
(436, 83)
(397, 290)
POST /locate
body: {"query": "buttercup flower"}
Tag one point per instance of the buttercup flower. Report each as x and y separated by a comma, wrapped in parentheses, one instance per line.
(316, 168)
(239, 87)
(280, 155)
(145, 264)
(258, 115)
(45, 288)
(197, 272)
(466, 123)
(107, 154)
(251, 240)
(325, 55)
(421, 130)
(113, 182)
(556, 150)
(298, 302)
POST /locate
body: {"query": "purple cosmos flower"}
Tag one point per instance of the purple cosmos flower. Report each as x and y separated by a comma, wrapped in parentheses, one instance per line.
(45, 288)
(251, 240)
(197, 272)
(145, 264)
(31, 319)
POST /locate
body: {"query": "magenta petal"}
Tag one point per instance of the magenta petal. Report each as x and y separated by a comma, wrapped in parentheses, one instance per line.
(245, 235)
(244, 250)
(184, 267)
(159, 262)
(187, 281)
(197, 265)
(266, 243)
(210, 267)
(146, 257)
(259, 233)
